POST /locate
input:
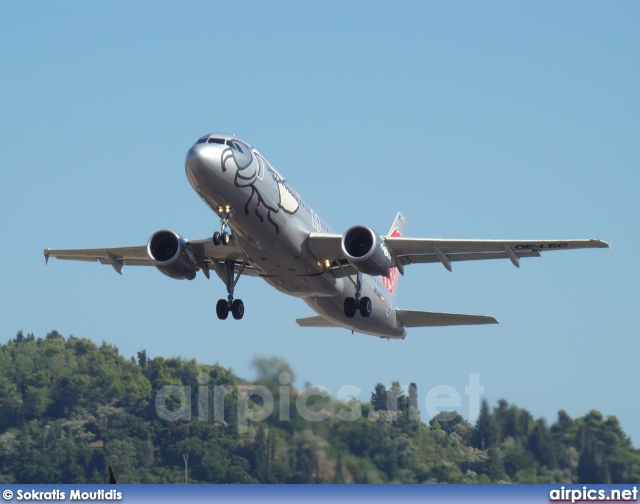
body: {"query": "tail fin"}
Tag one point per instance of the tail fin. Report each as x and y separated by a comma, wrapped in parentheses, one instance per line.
(398, 228)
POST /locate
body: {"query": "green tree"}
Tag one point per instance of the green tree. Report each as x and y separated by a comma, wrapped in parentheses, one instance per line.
(485, 434)
(592, 466)
(541, 444)
(379, 398)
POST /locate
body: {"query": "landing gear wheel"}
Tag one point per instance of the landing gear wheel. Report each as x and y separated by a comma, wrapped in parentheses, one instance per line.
(222, 309)
(216, 238)
(226, 238)
(230, 278)
(349, 307)
(365, 307)
(237, 309)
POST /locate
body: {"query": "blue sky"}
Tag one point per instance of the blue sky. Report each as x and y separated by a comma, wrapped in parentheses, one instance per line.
(477, 120)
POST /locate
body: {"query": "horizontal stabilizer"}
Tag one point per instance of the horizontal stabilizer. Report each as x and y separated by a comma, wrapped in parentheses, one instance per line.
(316, 321)
(413, 318)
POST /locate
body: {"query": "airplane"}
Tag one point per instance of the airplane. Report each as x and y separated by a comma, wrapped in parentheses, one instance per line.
(268, 231)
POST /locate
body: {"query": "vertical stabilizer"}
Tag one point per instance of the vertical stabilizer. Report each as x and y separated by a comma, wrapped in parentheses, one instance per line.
(398, 229)
(399, 226)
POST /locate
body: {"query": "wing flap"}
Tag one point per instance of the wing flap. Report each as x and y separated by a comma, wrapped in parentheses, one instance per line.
(325, 246)
(125, 261)
(206, 248)
(414, 318)
(472, 256)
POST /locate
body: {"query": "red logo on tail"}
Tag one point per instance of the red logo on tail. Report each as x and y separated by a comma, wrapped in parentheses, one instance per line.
(391, 281)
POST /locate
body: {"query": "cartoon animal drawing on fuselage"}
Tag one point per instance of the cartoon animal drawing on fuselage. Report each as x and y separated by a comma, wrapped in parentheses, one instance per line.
(273, 193)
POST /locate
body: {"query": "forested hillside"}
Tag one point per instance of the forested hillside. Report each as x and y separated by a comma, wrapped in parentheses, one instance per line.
(68, 408)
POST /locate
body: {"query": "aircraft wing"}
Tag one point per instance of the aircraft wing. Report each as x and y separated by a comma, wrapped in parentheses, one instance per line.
(427, 250)
(416, 250)
(135, 256)
(205, 251)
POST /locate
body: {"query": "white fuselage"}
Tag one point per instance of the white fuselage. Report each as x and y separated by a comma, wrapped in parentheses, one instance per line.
(271, 224)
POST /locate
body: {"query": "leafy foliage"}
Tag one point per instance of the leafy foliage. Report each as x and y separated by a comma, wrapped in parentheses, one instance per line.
(69, 408)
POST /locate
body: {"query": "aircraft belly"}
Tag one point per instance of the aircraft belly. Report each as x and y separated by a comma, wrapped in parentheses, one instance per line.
(290, 271)
(299, 286)
(378, 324)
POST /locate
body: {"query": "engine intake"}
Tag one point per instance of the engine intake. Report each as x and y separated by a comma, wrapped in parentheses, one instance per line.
(172, 255)
(366, 251)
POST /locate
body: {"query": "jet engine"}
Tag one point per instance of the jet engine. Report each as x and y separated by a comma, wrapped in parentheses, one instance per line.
(366, 251)
(172, 255)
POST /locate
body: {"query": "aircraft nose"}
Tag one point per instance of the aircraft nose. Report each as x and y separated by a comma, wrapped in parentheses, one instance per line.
(192, 161)
(204, 170)
(201, 160)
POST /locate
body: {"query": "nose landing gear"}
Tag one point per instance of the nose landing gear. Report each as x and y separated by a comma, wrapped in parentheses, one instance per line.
(223, 236)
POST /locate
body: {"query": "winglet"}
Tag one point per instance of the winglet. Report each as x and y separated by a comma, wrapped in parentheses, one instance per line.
(46, 256)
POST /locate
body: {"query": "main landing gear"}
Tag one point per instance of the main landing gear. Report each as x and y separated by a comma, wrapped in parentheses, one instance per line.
(352, 305)
(235, 306)
(223, 236)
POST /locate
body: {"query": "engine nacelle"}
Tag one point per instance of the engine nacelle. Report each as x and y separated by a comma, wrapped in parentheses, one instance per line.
(366, 251)
(172, 255)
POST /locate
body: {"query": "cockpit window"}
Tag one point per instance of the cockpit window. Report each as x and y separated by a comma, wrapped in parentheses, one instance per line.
(216, 140)
(202, 140)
